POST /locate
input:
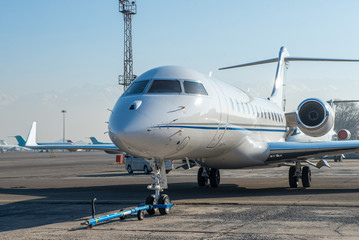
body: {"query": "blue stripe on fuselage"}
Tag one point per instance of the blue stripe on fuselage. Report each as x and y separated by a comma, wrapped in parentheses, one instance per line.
(223, 128)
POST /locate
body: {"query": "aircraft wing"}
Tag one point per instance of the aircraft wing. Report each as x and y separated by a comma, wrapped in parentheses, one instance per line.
(31, 143)
(289, 151)
(109, 148)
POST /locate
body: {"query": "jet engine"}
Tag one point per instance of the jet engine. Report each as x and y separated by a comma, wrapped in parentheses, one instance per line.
(344, 134)
(315, 117)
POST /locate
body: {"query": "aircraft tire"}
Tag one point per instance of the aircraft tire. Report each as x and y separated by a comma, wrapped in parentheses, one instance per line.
(164, 199)
(306, 177)
(293, 181)
(129, 169)
(214, 177)
(200, 179)
(150, 200)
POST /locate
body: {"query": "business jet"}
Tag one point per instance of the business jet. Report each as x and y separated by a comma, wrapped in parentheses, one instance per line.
(174, 113)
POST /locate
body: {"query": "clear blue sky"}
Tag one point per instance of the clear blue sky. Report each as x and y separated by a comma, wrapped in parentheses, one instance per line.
(66, 54)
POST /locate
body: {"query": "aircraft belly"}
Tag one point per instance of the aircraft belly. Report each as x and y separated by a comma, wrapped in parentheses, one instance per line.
(247, 153)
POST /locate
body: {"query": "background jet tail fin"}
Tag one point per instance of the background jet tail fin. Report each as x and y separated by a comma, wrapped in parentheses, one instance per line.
(94, 140)
(31, 139)
(20, 140)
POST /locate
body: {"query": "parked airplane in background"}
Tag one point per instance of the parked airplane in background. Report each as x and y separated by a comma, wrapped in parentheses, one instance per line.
(4, 147)
(32, 143)
(173, 113)
(22, 142)
(95, 141)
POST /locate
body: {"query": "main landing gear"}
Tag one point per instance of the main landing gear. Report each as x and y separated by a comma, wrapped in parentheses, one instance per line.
(158, 186)
(296, 172)
(208, 174)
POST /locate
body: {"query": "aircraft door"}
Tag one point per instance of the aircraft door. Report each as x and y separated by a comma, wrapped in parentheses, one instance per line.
(223, 118)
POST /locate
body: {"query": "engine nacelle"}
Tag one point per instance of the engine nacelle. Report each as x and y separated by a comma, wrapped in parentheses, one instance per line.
(315, 117)
(344, 134)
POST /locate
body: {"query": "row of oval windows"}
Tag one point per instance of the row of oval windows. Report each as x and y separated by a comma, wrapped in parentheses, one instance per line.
(255, 110)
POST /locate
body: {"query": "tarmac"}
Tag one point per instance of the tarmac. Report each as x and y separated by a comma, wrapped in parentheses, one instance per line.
(48, 198)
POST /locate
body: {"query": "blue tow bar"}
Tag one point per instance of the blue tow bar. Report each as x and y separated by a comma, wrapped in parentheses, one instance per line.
(123, 213)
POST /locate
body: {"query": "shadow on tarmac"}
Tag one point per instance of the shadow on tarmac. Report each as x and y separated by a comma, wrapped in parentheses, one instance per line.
(58, 205)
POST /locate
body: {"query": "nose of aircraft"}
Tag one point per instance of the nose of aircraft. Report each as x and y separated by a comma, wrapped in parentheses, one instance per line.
(135, 129)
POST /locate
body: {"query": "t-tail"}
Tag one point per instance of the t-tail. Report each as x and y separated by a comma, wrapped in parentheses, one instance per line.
(20, 140)
(278, 92)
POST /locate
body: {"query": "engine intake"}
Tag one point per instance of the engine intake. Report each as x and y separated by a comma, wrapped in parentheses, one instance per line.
(315, 117)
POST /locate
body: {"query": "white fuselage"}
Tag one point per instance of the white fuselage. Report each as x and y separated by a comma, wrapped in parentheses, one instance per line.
(225, 128)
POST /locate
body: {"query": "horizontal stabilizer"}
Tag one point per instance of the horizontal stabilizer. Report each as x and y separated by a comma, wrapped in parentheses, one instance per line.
(291, 59)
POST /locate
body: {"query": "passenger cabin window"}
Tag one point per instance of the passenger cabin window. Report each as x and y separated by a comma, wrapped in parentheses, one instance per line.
(165, 86)
(194, 88)
(136, 87)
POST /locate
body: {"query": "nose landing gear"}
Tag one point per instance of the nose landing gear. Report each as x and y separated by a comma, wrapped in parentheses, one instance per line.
(208, 174)
(160, 178)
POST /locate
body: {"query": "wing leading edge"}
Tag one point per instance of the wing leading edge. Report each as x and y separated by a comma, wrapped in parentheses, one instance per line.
(289, 151)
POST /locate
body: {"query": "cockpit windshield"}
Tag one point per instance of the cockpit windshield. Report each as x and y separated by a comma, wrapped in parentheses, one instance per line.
(136, 87)
(165, 86)
(194, 88)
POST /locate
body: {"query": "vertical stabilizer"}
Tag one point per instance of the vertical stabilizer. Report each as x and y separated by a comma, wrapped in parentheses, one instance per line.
(21, 142)
(94, 140)
(31, 139)
(277, 95)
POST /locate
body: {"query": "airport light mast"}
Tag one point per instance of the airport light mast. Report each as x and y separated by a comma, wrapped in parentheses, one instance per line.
(63, 125)
(128, 9)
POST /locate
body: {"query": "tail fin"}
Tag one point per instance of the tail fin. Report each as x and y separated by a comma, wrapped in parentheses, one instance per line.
(94, 140)
(20, 140)
(31, 139)
(277, 95)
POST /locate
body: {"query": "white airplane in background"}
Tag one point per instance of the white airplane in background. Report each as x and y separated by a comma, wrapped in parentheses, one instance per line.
(173, 113)
(4, 147)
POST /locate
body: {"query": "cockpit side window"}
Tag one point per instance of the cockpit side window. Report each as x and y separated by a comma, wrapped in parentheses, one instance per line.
(165, 86)
(136, 87)
(194, 88)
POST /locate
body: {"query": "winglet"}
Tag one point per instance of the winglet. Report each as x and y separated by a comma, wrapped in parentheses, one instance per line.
(31, 138)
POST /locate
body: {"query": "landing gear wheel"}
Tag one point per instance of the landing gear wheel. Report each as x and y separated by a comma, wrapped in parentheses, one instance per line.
(293, 180)
(306, 177)
(164, 199)
(202, 181)
(214, 177)
(145, 170)
(140, 215)
(150, 200)
(129, 169)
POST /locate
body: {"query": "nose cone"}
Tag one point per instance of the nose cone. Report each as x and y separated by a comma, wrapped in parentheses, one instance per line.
(128, 125)
(137, 129)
